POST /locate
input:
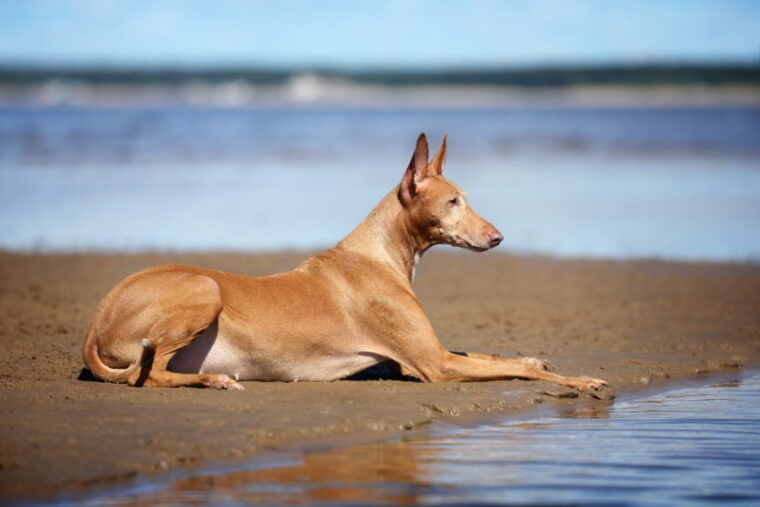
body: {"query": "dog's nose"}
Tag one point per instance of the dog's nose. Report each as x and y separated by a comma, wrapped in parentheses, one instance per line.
(494, 238)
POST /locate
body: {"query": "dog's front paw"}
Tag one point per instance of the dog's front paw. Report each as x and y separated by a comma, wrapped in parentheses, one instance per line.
(588, 383)
(222, 382)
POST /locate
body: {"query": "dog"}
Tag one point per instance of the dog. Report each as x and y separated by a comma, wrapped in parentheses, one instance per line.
(339, 312)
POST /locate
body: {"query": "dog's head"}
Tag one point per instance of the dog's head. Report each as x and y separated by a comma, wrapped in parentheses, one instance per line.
(437, 209)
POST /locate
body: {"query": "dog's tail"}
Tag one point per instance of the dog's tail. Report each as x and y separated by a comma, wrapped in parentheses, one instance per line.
(119, 375)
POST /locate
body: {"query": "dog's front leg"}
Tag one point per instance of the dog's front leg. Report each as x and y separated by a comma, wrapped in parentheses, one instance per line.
(477, 367)
(539, 363)
(425, 357)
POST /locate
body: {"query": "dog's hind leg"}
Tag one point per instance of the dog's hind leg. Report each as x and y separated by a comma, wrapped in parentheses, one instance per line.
(175, 328)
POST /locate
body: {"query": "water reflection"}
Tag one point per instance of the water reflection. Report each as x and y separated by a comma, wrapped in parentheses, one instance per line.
(593, 411)
(692, 446)
(361, 474)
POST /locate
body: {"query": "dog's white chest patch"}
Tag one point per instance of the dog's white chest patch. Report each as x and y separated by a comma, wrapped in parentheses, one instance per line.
(417, 257)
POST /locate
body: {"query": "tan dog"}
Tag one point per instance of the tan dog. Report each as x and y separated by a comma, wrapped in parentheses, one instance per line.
(339, 312)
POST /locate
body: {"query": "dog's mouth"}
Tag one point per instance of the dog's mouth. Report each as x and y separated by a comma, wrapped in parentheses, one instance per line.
(476, 248)
(470, 245)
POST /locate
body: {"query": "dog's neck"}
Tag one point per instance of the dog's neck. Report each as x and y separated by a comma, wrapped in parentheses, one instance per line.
(388, 236)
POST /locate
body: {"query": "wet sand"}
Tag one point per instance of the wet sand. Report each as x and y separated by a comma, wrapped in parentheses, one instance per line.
(637, 324)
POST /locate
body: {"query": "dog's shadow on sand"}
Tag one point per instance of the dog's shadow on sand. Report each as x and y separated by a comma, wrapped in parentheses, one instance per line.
(85, 375)
(388, 370)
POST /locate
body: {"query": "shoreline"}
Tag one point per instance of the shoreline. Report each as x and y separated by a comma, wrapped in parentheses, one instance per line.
(641, 324)
(318, 95)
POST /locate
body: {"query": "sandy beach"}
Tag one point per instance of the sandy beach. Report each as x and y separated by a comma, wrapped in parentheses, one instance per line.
(638, 324)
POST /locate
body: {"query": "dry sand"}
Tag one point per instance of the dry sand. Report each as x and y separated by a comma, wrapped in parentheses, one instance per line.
(634, 323)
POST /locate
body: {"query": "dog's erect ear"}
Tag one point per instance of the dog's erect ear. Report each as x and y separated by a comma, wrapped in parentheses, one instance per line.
(416, 172)
(439, 160)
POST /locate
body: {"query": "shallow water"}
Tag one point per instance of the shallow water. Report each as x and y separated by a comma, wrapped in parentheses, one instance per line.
(679, 183)
(690, 446)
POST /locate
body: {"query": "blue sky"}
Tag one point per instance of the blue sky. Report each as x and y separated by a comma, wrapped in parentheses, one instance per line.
(376, 32)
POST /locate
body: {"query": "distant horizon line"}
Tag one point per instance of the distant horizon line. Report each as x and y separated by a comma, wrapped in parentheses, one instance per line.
(557, 75)
(182, 66)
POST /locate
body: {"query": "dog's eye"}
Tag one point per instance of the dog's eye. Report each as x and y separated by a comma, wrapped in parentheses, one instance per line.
(453, 201)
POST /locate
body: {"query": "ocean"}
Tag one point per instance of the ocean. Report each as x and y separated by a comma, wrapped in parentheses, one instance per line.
(664, 182)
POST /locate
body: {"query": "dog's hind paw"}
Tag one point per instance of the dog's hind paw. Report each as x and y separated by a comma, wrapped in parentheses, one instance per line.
(236, 386)
(222, 382)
